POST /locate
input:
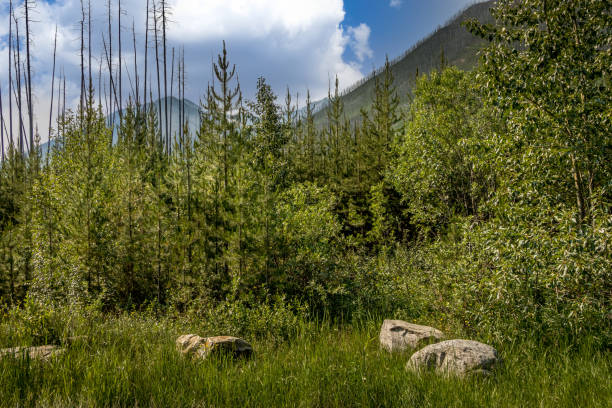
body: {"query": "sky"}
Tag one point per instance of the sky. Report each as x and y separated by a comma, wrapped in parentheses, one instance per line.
(302, 44)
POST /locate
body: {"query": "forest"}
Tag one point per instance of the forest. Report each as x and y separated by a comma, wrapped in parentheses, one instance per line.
(483, 207)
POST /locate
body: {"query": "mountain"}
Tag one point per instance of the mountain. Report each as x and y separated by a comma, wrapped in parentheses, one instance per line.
(453, 41)
(192, 115)
(192, 118)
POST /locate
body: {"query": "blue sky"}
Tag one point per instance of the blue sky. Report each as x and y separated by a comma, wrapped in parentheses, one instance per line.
(302, 44)
(396, 28)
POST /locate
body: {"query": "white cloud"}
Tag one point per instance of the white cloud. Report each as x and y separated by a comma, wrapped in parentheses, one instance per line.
(198, 20)
(396, 3)
(360, 41)
(297, 43)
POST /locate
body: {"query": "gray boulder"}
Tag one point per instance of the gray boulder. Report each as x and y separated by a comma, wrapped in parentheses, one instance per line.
(202, 347)
(459, 357)
(397, 335)
(42, 353)
(188, 344)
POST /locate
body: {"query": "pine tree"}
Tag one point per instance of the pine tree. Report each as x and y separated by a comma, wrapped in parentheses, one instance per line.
(381, 126)
(269, 141)
(227, 100)
(332, 160)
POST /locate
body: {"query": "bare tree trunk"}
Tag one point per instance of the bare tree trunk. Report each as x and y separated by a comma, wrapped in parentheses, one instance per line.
(18, 77)
(146, 55)
(185, 131)
(109, 59)
(100, 84)
(112, 83)
(82, 99)
(10, 70)
(64, 110)
(120, 64)
(171, 91)
(163, 11)
(183, 122)
(180, 93)
(161, 140)
(137, 96)
(59, 104)
(180, 96)
(52, 90)
(90, 91)
(2, 123)
(29, 68)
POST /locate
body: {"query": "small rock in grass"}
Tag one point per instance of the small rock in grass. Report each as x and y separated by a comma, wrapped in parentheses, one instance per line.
(203, 347)
(42, 353)
(397, 335)
(459, 357)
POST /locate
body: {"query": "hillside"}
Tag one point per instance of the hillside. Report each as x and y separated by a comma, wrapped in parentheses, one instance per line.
(458, 46)
(192, 118)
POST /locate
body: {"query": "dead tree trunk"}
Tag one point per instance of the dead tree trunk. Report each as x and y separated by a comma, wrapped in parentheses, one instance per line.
(10, 71)
(146, 54)
(29, 69)
(52, 90)
(171, 91)
(120, 63)
(163, 11)
(136, 81)
(18, 78)
(90, 91)
(161, 141)
(82, 99)
(1, 124)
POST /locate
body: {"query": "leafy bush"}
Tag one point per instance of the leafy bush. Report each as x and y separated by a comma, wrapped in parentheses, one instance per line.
(274, 319)
(37, 324)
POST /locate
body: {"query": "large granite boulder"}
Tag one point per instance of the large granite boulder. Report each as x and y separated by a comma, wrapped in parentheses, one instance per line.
(42, 353)
(202, 347)
(397, 335)
(458, 357)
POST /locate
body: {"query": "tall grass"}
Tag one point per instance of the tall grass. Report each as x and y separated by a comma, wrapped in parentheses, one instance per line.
(131, 361)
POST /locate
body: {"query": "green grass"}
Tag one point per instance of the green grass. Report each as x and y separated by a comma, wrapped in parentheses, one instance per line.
(131, 361)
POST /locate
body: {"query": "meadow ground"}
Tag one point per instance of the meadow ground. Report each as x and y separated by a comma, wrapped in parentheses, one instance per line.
(132, 361)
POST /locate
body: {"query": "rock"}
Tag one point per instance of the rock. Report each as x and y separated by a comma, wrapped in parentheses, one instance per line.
(458, 357)
(202, 347)
(188, 344)
(42, 353)
(397, 335)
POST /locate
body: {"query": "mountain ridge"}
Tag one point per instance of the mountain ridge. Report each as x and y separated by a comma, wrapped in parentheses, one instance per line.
(451, 40)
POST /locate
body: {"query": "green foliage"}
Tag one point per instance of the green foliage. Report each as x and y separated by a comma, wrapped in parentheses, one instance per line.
(485, 208)
(439, 169)
(545, 251)
(37, 323)
(519, 280)
(307, 244)
(549, 64)
(271, 320)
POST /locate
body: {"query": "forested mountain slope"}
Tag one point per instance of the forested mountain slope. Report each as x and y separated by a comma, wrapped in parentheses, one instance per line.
(451, 43)
(192, 118)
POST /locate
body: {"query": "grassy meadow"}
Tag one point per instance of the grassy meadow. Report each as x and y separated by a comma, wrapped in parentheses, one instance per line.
(131, 361)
